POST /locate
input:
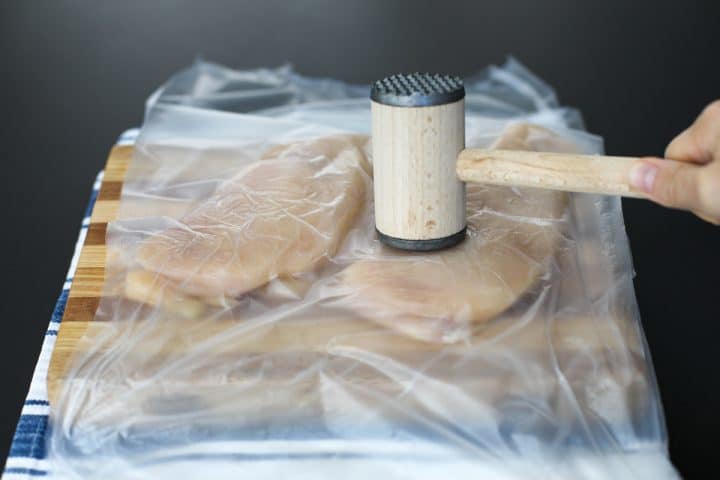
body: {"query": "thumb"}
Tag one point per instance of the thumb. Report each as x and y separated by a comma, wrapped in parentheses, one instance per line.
(667, 182)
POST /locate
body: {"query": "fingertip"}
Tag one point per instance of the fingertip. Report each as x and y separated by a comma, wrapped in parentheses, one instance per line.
(682, 147)
(696, 143)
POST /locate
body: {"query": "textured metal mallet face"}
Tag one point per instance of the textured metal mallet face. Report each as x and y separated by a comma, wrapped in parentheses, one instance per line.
(417, 90)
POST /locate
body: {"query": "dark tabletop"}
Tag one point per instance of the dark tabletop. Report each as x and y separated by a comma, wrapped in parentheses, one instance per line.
(74, 74)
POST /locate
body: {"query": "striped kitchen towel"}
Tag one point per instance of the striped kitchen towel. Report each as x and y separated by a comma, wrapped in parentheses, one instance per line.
(27, 452)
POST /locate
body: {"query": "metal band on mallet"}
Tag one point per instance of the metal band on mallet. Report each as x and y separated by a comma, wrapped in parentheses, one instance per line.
(418, 129)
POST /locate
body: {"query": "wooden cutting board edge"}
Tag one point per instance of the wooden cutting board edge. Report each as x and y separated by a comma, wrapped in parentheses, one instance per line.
(89, 276)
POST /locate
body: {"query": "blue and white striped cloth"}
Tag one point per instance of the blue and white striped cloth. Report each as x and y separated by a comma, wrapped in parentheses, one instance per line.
(27, 457)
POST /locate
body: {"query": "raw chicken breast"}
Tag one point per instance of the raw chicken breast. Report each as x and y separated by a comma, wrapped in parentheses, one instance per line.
(281, 215)
(437, 297)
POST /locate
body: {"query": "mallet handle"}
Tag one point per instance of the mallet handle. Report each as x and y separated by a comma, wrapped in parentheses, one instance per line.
(553, 171)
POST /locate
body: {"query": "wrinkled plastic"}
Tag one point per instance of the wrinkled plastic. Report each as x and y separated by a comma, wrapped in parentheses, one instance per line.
(253, 325)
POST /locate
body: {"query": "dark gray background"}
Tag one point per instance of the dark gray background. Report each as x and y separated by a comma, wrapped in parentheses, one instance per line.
(74, 74)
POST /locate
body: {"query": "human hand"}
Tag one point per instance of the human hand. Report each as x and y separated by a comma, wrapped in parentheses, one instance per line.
(689, 176)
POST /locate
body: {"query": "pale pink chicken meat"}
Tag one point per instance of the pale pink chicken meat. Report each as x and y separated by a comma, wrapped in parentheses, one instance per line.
(438, 297)
(281, 215)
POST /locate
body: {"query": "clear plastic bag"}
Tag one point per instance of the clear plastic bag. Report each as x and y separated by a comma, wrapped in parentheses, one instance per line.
(252, 323)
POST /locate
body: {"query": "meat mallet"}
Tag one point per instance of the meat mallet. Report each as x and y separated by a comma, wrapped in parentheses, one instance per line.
(420, 163)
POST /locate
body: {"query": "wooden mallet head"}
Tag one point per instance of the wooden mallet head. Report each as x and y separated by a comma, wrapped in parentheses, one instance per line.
(418, 130)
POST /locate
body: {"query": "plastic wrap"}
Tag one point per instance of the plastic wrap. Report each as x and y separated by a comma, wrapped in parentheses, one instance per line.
(252, 324)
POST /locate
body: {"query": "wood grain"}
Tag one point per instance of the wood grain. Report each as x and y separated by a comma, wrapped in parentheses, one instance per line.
(417, 193)
(555, 171)
(87, 285)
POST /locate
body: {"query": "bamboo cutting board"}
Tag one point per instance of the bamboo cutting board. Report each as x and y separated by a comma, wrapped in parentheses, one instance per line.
(306, 340)
(89, 277)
